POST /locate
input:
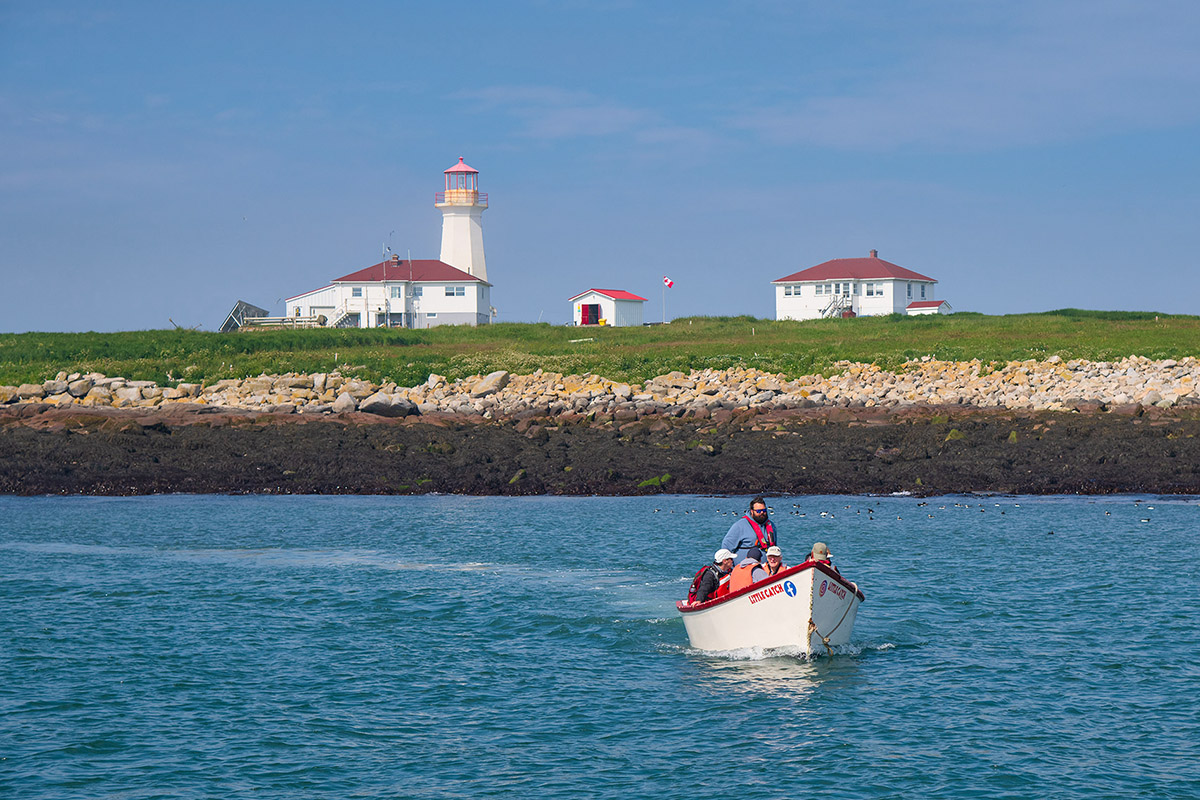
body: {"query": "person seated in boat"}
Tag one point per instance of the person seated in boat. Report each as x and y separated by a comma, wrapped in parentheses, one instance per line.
(820, 554)
(752, 530)
(774, 560)
(749, 571)
(713, 579)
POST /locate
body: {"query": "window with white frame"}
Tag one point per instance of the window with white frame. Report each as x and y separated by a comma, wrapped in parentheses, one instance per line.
(922, 291)
(418, 291)
(432, 315)
(397, 292)
(820, 289)
(910, 291)
(787, 291)
(356, 291)
(456, 291)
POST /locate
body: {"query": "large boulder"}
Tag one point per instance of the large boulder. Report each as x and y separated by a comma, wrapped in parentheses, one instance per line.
(80, 388)
(29, 391)
(387, 405)
(491, 383)
(344, 403)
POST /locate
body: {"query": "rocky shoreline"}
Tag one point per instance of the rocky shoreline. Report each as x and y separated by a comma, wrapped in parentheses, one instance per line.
(931, 428)
(1051, 385)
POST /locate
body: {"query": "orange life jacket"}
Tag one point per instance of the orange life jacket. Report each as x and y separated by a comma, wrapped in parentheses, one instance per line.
(742, 576)
(723, 586)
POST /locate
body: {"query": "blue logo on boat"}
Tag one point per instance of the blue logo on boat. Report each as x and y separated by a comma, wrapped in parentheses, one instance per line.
(789, 588)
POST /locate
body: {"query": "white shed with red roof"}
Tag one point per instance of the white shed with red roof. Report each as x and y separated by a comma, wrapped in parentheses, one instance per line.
(615, 307)
(929, 307)
(855, 286)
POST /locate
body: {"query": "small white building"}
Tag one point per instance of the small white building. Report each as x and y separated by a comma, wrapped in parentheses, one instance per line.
(929, 307)
(420, 293)
(615, 307)
(416, 293)
(847, 287)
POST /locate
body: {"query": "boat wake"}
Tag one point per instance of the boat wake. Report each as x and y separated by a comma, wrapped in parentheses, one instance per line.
(788, 652)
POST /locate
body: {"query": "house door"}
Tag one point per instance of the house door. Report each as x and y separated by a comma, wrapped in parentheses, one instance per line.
(589, 314)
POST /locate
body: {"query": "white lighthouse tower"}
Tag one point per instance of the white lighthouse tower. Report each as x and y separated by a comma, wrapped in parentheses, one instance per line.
(462, 206)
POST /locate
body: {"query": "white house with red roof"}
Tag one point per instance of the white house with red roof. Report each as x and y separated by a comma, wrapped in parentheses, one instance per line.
(855, 287)
(615, 307)
(417, 293)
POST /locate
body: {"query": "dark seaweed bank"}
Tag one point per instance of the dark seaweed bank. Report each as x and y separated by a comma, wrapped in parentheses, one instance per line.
(919, 449)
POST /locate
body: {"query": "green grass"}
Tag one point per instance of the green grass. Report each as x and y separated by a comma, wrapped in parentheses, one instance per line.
(632, 354)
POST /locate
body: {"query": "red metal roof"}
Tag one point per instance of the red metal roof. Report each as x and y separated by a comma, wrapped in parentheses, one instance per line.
(868, 268)
(615, 294)
(925, 304)
(461, 167)
(423, 269)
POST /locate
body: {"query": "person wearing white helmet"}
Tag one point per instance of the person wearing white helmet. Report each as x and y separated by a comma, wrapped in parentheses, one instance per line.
(712, 578)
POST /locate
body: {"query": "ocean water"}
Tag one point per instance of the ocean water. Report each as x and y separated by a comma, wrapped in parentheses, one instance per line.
(462, 647)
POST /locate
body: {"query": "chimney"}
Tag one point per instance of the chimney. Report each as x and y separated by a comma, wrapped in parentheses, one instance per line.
(395, 258)
(874, 254)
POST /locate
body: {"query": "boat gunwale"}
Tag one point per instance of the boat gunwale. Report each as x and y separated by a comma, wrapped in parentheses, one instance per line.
(828, 570)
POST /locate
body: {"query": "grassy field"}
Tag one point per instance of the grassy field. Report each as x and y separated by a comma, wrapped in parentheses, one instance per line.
(793, 348)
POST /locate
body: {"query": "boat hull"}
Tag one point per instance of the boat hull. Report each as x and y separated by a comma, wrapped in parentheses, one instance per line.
(809, 608)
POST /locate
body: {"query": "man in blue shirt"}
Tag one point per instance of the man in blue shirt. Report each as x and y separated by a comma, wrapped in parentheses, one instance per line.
(753, 531)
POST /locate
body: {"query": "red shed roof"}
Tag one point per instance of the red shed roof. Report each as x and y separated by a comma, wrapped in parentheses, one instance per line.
(925, 304)
(868, 268)
(423, 269)
(615, 294)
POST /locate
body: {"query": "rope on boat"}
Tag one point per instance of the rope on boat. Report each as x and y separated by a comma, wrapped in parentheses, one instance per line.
(812, 628)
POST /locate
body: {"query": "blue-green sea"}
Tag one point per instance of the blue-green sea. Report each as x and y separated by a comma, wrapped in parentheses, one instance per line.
(470, 647)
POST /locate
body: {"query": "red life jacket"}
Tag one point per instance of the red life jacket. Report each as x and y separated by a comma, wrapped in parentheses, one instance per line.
(696, 584)
(765, 538)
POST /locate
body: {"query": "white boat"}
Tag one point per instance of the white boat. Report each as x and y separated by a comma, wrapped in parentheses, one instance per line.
(808, 607)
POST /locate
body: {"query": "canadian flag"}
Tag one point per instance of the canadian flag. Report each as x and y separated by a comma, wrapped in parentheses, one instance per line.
(668, 281)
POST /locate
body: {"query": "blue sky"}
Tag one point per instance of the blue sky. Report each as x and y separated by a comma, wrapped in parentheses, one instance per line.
(162, 160)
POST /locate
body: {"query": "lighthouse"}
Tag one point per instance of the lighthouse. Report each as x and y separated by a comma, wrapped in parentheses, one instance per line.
(462, 206)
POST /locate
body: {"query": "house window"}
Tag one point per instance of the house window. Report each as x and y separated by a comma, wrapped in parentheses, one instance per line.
(418, 291)
(910, 291)
(356, 291)
(456, 291)
(397, 292)
(922, 291)
(432, 316)
(787, 291)
(820, 290)
(874, 290)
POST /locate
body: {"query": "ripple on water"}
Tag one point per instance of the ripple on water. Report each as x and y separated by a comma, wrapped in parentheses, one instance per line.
(169, 648)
